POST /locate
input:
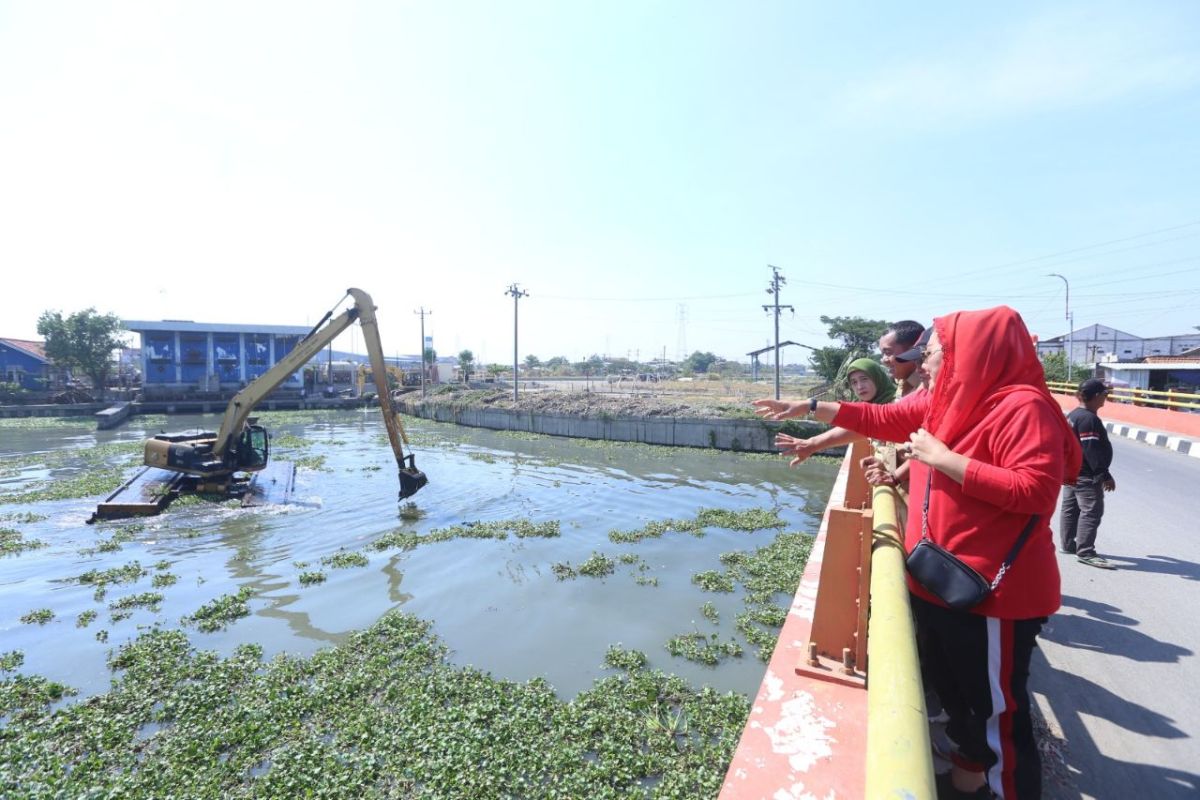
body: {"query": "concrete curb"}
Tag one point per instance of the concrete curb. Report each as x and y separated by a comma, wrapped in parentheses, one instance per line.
(1180, 444)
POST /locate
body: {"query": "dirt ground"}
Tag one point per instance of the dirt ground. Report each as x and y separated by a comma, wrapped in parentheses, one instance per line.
(730, 401)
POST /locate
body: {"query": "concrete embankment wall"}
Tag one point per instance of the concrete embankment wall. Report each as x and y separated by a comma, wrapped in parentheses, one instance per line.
(176, 407)
(747, 435)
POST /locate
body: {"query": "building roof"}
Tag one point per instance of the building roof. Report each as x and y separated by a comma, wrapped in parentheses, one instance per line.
(1159, 363)
(188, 326)
(35, 349)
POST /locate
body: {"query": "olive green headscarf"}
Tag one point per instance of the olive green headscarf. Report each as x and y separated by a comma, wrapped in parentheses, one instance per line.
(885, 387)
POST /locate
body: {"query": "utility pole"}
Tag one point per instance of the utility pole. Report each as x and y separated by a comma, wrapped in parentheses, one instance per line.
(777, 280)
(1070, 324)
(423, 314)
(517, 294)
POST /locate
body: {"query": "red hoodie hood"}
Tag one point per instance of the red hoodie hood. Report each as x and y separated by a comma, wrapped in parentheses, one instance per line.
(987, 355)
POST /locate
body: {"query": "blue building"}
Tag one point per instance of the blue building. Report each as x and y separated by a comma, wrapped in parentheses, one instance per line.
(24, 362)
(182, 357)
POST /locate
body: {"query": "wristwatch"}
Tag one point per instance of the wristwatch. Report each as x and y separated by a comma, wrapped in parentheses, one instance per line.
(812, 406)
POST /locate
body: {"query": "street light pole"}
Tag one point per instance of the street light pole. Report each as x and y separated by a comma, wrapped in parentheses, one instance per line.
(1070, 323)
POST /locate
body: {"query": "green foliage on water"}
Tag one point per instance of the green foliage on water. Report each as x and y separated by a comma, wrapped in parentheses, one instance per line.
(163, 580)
(92, 482)
(13, 543)
(767, 573)
(85, 618)
(150, 600)
(311, 578)
(23, 517)
(628, 660)
(750, 520)
(316, 463)
(597, 565)
(703, 648)
(404, 539)
(713, 581)
(383, 715)
(120, 536)
(345, 560)
(219, 613)
(11, 661)
(43, 423)
(38, 616)
(127, 573)
(710, 613)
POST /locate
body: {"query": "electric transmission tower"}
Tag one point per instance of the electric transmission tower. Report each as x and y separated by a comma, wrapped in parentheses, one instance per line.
(777, 280)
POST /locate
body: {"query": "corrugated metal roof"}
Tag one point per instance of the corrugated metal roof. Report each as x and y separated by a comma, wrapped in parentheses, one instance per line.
(35, 349)
(187, 326)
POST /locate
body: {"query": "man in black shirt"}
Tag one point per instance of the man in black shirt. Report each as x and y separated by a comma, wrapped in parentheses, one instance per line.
(1083, 503)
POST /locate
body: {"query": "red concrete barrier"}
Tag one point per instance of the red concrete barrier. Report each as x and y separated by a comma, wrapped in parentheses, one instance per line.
(1177, 422)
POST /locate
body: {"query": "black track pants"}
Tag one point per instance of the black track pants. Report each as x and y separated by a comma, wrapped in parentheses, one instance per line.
(979, 667)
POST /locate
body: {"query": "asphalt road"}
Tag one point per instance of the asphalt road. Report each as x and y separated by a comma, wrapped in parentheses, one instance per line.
(1117, 669)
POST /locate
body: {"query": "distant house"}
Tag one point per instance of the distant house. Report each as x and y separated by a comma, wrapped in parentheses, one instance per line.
(24, 362)
(181, 356)
(1097, 343)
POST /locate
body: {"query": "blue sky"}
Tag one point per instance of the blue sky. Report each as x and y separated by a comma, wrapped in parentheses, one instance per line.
(630, 164)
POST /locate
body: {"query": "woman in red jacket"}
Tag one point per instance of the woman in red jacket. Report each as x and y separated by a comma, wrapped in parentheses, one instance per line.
(990, 448)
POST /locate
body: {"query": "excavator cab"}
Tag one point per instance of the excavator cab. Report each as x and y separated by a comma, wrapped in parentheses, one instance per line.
(253, 449)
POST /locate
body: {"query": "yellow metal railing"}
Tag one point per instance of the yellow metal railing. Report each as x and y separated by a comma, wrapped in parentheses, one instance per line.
(1152, 397)
(898, 749)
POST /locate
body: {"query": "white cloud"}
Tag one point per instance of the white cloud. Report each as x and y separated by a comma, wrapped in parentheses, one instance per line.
(1062, 59)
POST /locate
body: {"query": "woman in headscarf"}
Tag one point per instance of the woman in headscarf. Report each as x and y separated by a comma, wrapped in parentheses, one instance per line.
(870, 382)
(990, 449)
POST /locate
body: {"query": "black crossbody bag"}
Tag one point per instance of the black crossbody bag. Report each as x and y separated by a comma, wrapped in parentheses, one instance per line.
(946, 577)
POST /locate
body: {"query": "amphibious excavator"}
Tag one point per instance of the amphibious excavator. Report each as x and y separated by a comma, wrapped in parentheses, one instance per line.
(215, 462)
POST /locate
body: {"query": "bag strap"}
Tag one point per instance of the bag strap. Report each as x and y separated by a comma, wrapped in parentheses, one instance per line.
(1012, 554)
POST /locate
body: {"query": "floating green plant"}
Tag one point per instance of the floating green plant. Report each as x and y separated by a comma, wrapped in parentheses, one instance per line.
(642, 580)
(127, 573)
(563, 571)
(90, 483)
(11, 661)
(619, 658)
(164, 579)
(38, 616)
(713, 581)
(316, 463)
(345, 560)
(409, 512)
(383, 715)
(703, 649)
(311, 578)
(597, 565)
(710, 613)
(24, 517)
(161, 565)
(148, 600)
(85, 618)
(12, 542)
(221, 612)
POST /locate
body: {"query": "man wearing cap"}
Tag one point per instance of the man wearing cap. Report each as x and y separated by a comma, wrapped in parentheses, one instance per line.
(1083, 503)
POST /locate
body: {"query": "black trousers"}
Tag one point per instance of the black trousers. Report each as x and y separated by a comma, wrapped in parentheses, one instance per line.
(1082, 508)
(979, 667)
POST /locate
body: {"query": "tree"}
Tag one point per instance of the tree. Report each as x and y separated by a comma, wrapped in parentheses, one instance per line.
(532, 361)
(466, 360)
(496, 370)
(858, 336)
(698, 362)
(84, 341)
(559, 365)
(1055, 365)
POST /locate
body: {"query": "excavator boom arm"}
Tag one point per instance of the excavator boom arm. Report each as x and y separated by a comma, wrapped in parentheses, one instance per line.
(243, 403)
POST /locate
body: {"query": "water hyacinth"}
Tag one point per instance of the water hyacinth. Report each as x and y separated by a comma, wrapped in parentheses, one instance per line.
(382, 715)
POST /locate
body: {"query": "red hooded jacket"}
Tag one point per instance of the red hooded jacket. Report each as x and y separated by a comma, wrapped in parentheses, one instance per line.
(989, 403)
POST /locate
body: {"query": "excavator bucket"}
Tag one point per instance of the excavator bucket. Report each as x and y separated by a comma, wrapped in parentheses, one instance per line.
(411, 478)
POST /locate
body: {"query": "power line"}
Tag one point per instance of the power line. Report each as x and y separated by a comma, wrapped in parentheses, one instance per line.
(517, 294)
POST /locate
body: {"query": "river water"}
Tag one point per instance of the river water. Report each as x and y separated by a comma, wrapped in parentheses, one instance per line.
(495, 603)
